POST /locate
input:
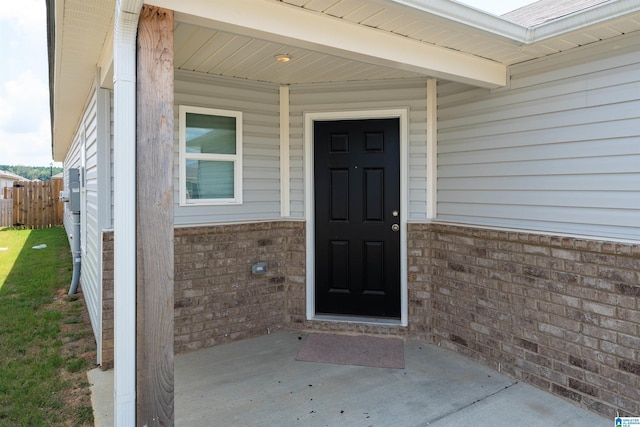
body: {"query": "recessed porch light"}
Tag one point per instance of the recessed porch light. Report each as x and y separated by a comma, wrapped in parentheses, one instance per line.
(283, 57)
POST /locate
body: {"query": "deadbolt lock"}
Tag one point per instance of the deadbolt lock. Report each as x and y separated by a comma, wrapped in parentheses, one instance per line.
(394, 213)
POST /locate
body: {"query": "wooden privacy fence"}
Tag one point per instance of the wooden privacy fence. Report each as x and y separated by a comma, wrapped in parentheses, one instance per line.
(6, 212)
(36, 204)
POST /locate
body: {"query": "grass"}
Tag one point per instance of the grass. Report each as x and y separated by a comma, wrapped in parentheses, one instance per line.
(42, 381)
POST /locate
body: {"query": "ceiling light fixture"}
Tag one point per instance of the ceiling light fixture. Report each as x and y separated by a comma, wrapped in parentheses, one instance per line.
(283, 58)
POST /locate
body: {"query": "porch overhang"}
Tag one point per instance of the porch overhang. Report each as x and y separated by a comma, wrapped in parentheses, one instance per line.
(322, 33)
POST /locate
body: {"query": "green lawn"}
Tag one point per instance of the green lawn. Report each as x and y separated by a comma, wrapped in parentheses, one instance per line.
(42, 369)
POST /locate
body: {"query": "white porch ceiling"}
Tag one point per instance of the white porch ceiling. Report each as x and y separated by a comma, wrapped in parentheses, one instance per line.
(320, 33)
(221, 53)
(203, 48)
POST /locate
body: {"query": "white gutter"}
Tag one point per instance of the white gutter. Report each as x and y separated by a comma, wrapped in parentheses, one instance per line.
(466, 15)
(124, 219)
(469, 16)
(581, 19)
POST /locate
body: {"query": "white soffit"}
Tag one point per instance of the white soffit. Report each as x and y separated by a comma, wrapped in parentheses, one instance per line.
(281, 23)
(81, 28)
(206, 50)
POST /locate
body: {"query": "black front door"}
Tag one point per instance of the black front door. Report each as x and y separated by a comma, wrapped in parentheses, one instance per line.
(357, 217)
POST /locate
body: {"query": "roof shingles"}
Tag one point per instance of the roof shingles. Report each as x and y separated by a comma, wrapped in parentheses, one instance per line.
(543, 11)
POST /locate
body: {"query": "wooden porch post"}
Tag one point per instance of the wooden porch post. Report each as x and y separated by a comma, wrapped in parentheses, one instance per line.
(154, 312)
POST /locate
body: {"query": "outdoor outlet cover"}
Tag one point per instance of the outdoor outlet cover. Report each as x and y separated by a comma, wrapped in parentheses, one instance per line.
(259, 268)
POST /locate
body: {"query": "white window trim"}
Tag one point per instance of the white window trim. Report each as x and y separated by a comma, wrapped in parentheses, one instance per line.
(184, 156)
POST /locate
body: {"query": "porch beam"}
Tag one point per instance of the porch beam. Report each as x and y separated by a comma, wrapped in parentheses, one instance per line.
(283, 23)
(155, 265)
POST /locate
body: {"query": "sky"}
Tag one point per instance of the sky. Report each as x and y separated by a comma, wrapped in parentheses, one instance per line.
(497, 7)
(25, 129)
(25, 135)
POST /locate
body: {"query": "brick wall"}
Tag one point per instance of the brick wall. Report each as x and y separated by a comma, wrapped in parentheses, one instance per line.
(560, 313)
(107, 300)
(217, 298)
(556, 312)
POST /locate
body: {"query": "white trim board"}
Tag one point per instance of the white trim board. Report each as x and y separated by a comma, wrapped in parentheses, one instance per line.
(285, 162)
(309, 119)
(432, 149)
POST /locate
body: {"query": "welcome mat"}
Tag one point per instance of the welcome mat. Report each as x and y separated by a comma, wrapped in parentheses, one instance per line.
(353, 350)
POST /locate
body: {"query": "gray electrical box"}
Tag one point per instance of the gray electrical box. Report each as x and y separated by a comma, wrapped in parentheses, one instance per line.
(74, 190)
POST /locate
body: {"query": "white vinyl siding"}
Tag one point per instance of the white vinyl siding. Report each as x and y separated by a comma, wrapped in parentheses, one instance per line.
(94, 133)
(357, 96)
(559, 151)
(258, 103)
(91, 257)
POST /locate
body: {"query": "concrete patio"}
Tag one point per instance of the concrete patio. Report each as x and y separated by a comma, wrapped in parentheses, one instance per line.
(258, 382)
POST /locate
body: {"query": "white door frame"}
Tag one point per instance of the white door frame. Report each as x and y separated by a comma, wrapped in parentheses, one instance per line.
(309, 119)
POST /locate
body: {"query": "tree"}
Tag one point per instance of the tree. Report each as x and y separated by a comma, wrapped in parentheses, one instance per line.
(43, 173)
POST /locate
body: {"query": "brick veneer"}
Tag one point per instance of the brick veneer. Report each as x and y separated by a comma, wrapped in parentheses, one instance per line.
(560, 313)
(556, 312)
(217, 298)
(107, 300)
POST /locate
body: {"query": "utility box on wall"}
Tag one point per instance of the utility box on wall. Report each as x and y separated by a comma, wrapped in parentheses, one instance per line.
(74, 190)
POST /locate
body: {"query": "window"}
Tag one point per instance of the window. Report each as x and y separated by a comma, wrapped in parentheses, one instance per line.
(210, 156)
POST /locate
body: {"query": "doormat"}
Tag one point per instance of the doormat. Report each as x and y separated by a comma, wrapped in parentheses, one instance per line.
(353, 350)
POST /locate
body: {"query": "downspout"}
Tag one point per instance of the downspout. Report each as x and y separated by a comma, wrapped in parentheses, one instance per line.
(73, 199)
(75, 279)
(124, 220)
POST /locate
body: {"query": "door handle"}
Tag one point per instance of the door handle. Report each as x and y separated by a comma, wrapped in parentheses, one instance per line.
(395, 227)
